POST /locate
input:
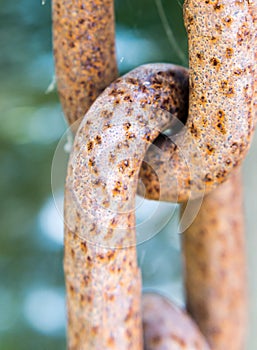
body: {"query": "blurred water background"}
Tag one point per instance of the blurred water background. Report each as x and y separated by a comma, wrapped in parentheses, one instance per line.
(32, 296)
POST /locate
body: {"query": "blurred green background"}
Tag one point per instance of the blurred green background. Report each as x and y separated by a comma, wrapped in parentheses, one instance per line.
(32, 297)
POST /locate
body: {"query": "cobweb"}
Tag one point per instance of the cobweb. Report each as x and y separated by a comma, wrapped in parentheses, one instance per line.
(169, 32)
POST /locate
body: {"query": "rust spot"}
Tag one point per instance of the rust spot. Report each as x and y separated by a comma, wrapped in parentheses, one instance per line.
(123, 165)
(130, 135)
(128, 98)
(117, 189)
(131, 173)
(194, 130)
(221, 174)
(147, 136)
(230, 92)
(234, 147)
(132, 81)
(215, 62)
(107, 125)
(111, 255)
(221, 128)
(83, 246)
(116, 92)
(229, 52)
(72, 253)
(199, 56)
(223, 84)
(217, 7)
(71, 288)
(90, 146)
(221, 121)
(203, 99)
(208, 178)
(221, 115)
(113, 222)
(190, 20)
(98, 140)
(218, 28)
(238, 72)
(127, 126)
(228, 20)
(189, 182)
(204, 121)
(129, 315)
(100, 256)
(106, 114)
(210, 149)
(91, 162)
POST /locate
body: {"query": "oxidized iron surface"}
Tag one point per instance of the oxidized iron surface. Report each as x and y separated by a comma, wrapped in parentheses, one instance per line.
(102, 277)
(103, 283)
(222, 64)
(222, 45)
(166, 327)
(215, 267)
(84, 51)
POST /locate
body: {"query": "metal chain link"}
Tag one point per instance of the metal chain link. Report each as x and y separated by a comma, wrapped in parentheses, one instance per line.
(122, 128)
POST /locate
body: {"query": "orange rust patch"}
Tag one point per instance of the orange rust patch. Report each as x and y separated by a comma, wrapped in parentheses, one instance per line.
(90, 146)
(210, 149)
(215, 62)
(98, 140)
(123, 165)
(229, 52)
(91, 162)
(83, 246)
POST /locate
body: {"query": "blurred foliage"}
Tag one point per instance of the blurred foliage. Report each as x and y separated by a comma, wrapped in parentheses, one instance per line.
(31, 273)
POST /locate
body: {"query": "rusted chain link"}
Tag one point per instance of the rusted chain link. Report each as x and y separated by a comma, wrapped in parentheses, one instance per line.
(221, 41)
(168, 327)
(215, 268)
(103, 281)
(84, 51)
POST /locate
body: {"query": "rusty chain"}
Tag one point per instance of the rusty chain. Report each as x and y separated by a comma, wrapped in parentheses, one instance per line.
(124, 126)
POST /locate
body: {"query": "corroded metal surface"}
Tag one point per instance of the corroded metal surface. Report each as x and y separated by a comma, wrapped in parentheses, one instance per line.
(221, 41)
(102, 278)
(219, 127)
(166, 327)
(215, 267)
(84, 52)
(103, 282)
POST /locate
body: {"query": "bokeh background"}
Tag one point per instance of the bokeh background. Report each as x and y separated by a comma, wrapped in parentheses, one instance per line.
(32, 296)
